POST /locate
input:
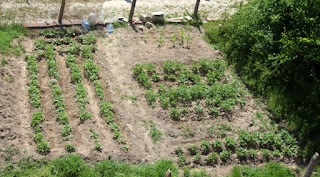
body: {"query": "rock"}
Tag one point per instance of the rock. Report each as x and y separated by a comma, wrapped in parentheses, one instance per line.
(168, 173)
(145, 18)
(140, 27)
(188, 18)
(158, 17)
(148, 25)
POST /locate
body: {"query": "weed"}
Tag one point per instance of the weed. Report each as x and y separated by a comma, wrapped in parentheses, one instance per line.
(188, 133)
(3, 62)
(173, 40)
(160, 40)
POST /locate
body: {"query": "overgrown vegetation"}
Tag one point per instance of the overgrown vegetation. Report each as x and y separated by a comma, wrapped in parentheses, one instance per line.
(74, 165)
(7, 34)
(271, 169)
(274, 45)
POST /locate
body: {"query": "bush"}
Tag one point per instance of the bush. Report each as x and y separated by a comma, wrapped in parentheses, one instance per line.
(276, 59)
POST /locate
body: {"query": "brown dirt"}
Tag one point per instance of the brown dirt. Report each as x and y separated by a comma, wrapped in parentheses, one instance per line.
(117, 54)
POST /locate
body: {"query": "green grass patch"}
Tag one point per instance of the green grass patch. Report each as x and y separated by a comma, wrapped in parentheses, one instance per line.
(74, 165)
(7, 34)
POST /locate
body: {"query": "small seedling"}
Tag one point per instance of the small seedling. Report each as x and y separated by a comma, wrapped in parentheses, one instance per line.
(173, 40)
(188, 38)
(4, 62)
(145, 37)
(160, 40)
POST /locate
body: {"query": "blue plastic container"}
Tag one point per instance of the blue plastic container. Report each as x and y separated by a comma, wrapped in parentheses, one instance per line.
(110, 28)
(85, 24)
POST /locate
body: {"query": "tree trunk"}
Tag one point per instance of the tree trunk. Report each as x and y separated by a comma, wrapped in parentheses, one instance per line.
(133, 6)
(63, 4)
(195, 13)
(312, 165)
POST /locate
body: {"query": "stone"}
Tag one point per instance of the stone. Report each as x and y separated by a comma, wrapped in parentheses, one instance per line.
(188, 18)
(140, 27)
(148, 25)
(158, 17)
(145, 18)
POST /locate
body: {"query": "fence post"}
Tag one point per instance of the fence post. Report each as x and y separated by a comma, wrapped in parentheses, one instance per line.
(63, 3)
(195, 13)
(133, 6)
(312, 165)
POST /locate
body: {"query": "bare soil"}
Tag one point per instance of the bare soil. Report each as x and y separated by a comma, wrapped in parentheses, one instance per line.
(117, 54)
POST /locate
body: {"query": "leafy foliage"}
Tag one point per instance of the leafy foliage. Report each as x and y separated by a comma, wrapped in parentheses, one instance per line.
(276, 59)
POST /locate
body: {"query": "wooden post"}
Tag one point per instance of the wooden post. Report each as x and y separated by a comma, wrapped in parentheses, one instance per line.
(312, 165)
(63, 4)
(195, 13)
(133, 6)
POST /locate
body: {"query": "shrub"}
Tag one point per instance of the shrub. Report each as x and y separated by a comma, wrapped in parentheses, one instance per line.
(274, 58)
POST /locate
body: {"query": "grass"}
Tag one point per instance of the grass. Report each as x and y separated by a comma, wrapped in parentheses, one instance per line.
(271, 169)
(74, 165)
(7, 34)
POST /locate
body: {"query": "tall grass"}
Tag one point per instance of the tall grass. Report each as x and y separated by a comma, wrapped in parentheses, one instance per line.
(74, 166)
(271, 169)
(7, 34)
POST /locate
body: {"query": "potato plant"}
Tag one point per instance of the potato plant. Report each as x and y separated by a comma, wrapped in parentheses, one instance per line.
(198, 81)
(43, 146)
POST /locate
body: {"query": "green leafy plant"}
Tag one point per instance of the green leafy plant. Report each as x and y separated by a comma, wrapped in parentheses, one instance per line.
(173, 40)
(193, 149)
(196, 158)
(217, 145)
(37, 118)
(70, 147)
(225, 155)
(97, 146)
(252, 153)
(178, 151)
(43, 146)
(205, 146)
(230, 143)
(242, 153)
(212, 158)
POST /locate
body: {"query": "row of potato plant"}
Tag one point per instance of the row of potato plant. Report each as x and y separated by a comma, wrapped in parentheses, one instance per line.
(43, 146)
(91, 73)
(76, 78)
(199, 81)
(94, 135)
(246, 147)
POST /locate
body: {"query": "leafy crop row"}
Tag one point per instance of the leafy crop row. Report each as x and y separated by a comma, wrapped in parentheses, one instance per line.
(43, 145)
(199, 81)
(76, 78)
(91, 70)
(246, 147)
(50, 55)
